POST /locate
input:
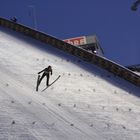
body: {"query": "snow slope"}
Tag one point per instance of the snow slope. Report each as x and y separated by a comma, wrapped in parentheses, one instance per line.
(86, 103)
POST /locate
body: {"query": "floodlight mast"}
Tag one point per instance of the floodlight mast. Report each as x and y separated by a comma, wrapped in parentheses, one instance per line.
(32, 7)
(135, 5)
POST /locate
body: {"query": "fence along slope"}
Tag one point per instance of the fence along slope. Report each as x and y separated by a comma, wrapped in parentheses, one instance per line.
(79, 52)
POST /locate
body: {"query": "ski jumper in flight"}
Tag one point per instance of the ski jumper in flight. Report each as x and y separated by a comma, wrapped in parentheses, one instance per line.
(46, 72)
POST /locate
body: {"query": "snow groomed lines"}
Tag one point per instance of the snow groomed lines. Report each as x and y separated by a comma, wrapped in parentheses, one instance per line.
(79, 52)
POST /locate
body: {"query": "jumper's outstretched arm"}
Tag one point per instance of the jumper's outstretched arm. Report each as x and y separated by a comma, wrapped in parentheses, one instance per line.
(41, 71)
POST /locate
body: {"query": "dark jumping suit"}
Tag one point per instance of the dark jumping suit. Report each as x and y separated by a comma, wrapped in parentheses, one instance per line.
(46, 72)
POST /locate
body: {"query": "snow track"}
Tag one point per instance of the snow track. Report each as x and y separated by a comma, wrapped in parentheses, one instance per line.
(81, 105)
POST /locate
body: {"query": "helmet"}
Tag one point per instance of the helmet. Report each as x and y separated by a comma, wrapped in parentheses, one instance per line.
(49, 67)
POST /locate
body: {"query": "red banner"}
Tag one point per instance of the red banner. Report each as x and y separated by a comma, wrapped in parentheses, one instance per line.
(76, 41)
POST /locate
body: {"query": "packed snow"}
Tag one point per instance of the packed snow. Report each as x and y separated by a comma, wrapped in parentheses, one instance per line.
(85, 103)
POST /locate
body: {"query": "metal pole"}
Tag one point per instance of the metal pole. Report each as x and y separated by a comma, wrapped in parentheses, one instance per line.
(32, 7)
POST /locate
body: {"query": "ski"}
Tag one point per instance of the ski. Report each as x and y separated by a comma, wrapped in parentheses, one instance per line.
(51, 83)
(38, 78)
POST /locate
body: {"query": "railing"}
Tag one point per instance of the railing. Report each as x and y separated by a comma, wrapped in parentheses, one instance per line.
(81, 53)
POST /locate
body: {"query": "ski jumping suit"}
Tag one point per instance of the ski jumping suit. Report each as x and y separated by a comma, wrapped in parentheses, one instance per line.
(46, 72)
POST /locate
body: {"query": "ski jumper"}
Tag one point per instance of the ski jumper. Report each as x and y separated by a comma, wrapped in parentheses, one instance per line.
(46, 72)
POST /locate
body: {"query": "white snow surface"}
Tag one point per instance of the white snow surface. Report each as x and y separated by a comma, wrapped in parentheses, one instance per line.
(86, 103)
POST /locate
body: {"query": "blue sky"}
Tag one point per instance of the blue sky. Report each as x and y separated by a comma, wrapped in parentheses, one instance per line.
(116, 26)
